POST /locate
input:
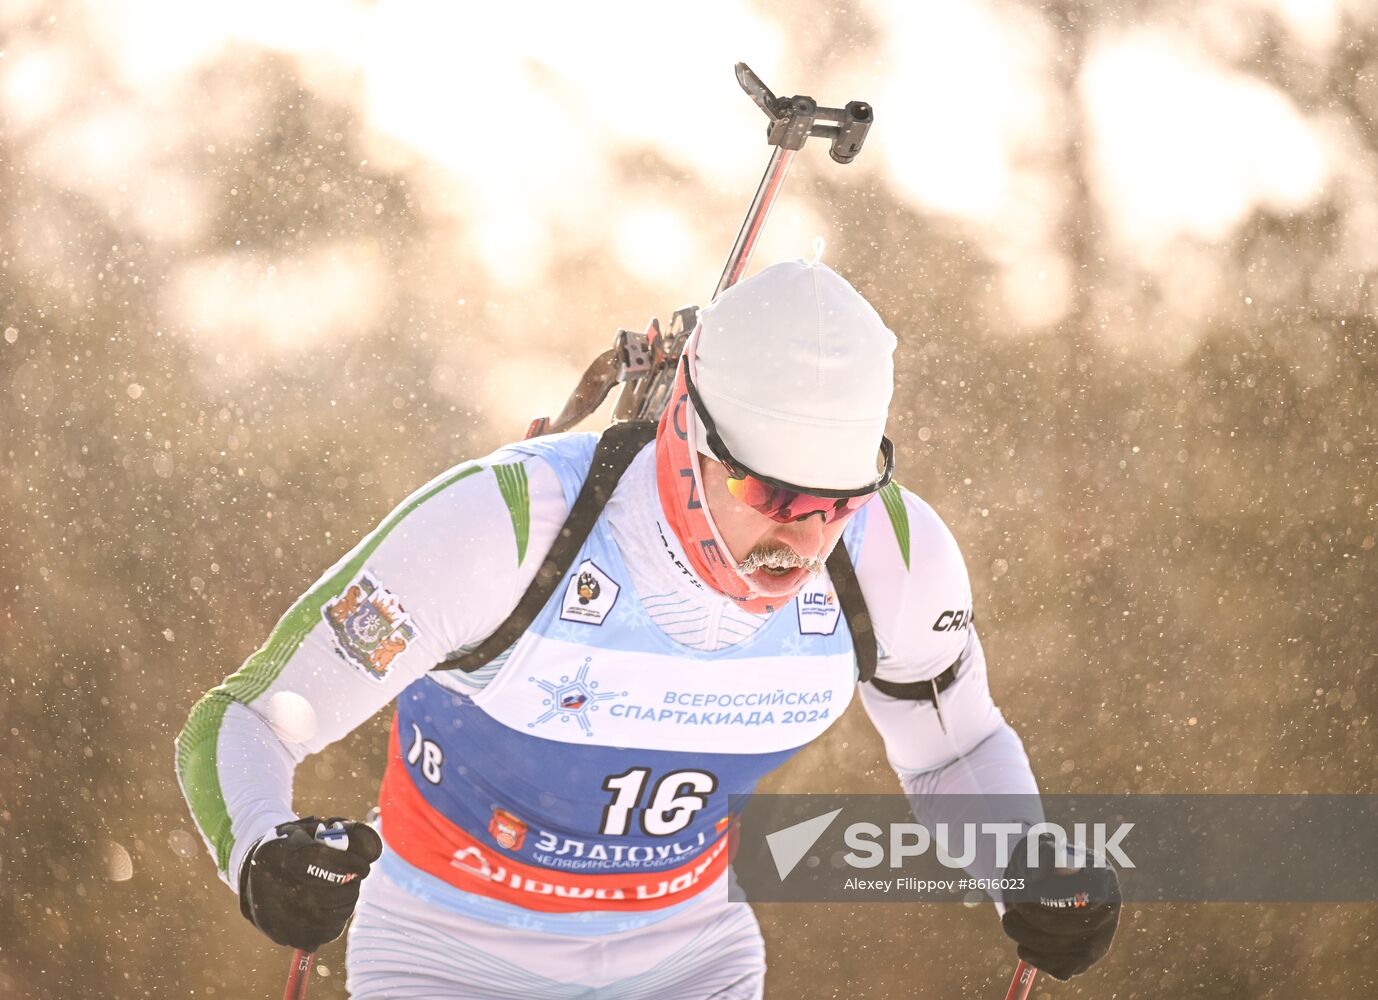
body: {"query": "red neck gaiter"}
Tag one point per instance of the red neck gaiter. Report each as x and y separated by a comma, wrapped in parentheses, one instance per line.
(677, 480)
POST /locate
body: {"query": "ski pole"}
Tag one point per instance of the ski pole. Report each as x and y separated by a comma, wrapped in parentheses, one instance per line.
(1022, 982)
(299, 976)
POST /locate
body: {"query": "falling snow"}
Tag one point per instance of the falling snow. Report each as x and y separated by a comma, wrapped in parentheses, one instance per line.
(263, 273)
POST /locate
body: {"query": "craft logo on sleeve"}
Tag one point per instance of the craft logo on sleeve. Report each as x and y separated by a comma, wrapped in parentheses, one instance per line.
(590, 595)
(370, 626)
(507, 829)
(818, 611)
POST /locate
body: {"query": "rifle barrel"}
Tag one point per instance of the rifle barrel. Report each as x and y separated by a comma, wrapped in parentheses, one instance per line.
(755, 220)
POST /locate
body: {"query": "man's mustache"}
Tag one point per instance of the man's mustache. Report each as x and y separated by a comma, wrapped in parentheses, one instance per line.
(778, 557)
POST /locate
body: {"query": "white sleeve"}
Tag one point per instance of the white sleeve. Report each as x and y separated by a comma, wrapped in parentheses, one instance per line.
(437, 576)
(918, 593)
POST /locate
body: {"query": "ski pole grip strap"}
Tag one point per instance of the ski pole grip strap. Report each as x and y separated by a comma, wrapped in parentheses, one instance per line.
(617, 447)
(853, 603)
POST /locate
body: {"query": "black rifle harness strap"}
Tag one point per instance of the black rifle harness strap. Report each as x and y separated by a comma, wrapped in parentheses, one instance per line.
(617, 447)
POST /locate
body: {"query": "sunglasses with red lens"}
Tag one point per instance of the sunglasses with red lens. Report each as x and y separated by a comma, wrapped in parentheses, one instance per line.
(781, 501)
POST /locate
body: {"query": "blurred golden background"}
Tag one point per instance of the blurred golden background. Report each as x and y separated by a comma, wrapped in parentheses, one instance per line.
(265, 268)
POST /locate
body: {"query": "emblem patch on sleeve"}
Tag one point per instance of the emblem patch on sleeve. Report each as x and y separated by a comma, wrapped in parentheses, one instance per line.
(370, 625)
(590, 595)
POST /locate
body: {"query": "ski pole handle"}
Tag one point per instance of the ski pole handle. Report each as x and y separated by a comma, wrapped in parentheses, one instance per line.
(299, 976)
(1022, 982)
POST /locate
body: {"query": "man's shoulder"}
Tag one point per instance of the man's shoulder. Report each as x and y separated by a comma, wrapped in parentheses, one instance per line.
(516, 469)
(915, 583)
(903, 531)
(518, 490)
(569, 454)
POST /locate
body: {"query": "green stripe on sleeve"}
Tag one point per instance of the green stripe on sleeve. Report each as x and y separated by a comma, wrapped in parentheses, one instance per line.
(196, 744)
(512, 485)
(893, 499)
(196, 771)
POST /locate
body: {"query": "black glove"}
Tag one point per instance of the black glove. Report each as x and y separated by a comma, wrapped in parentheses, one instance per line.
(1063, 924)
(301, 891)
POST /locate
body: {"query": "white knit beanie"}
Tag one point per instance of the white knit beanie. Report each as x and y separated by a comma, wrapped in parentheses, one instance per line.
(795, 370)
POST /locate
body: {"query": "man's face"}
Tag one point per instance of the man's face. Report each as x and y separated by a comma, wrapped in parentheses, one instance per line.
(777, 557)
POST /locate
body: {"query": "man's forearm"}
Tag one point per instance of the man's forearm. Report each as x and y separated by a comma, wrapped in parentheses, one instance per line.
(992, 783)
(236, 775)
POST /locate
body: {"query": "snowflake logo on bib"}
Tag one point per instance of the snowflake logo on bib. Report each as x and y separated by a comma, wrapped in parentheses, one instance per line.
(572, 698)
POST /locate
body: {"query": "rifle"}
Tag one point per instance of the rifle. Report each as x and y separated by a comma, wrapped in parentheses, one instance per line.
(644, 363)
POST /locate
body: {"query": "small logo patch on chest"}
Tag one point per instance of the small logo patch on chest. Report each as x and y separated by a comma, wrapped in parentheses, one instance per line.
(507, 829)
(590, 595)
(818, 611)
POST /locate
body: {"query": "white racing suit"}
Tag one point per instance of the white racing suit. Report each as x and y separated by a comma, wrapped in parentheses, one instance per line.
(555, 824)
